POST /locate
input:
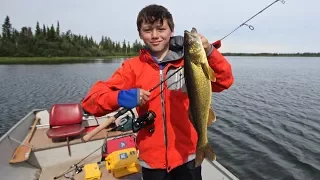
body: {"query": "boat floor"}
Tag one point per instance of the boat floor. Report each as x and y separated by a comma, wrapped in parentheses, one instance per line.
(52, 157)
(208, 172)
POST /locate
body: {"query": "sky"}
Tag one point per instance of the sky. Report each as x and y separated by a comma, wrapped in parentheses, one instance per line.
(282, 28)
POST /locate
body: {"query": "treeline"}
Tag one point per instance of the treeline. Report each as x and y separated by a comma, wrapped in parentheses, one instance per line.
(306, 54)
(48, 41)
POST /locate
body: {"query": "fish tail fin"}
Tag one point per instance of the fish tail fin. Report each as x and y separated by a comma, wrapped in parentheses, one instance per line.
(205, 152)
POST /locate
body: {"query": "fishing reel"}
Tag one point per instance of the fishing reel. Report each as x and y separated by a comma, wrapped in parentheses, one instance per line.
(143, 121)
(128, 123)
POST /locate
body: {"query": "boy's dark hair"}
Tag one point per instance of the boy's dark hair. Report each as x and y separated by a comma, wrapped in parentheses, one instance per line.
(153, 13)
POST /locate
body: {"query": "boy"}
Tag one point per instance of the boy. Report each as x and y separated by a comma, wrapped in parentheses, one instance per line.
(170, 150)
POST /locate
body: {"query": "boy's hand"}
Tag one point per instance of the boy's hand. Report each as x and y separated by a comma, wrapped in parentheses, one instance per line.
(205, 43)
(144, 96)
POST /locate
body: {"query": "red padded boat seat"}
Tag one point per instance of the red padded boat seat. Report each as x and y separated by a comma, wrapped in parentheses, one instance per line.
(65, 121)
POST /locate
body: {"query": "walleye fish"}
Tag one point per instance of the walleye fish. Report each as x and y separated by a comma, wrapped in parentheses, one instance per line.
(198, 77)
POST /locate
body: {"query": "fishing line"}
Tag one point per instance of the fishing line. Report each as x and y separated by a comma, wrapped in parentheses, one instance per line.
(250, 26)
(244, 23)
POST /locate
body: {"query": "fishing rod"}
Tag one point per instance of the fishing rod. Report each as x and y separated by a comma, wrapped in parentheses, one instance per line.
(250, 26)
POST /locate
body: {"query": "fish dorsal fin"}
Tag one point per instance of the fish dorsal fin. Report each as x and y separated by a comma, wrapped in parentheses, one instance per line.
(212, 117)
(208, 71)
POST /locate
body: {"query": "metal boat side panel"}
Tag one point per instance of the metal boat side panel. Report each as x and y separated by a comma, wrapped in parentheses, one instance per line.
(23, 171)
(8, 146)
(215, 171)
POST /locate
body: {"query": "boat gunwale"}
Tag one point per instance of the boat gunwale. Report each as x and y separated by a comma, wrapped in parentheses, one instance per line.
(24, 118)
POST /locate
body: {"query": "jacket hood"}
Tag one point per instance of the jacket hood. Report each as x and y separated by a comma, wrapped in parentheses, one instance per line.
(175, 50)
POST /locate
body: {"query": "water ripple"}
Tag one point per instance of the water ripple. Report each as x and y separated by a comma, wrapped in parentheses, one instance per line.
(267, 127)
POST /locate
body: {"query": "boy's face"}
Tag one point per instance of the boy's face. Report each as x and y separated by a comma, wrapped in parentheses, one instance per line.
(156, 36)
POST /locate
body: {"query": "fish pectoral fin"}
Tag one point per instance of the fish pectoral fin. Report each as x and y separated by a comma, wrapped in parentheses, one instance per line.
(212, 117)
(208, 71)
(204, 152)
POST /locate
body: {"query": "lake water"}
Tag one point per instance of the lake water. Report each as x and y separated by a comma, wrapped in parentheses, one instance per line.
(268, 124)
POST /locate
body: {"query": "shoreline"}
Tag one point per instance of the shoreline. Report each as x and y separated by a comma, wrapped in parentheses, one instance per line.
(71, 59)
(56, 60)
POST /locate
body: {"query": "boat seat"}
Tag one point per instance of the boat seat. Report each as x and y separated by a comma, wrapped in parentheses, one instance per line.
(65, 121)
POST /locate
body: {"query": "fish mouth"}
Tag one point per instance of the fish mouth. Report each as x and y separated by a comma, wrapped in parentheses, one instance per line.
(190, 36)
(192, 41)
(193, 31)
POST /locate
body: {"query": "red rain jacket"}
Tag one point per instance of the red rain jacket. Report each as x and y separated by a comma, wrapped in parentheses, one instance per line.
(174, 140)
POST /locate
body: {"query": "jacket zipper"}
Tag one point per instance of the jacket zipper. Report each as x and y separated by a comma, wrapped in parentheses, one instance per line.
(163, 115)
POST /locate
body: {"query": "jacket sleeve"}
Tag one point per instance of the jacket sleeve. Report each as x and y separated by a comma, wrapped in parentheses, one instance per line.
(222, 69)
(102, 98)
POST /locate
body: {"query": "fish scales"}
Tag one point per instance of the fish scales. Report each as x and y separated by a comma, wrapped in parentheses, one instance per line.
(198, 76)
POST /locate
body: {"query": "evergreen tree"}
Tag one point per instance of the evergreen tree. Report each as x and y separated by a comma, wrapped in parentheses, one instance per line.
(58, 29)
(48, 41)
(44, 31)
(124, 47)
(38, 31)
(6, 29)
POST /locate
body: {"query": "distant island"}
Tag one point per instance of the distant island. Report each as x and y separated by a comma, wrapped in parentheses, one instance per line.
(47, 43)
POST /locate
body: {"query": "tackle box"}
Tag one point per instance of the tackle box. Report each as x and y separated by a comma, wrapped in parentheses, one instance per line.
(92, 171)
(123, 142)
(123, 162)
